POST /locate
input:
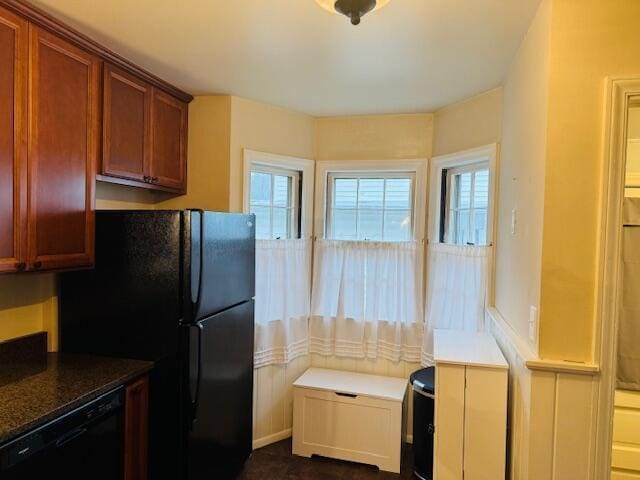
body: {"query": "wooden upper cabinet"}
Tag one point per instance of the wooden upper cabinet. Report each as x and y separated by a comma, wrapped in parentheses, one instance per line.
(144, 134)
(60, 120)
(13, 108)
(127, 107)
(168, 141)
(64, 128)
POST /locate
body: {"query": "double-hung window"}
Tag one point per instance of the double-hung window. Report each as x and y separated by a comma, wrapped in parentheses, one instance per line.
(467, 205)
(274, 200)
(375, 206)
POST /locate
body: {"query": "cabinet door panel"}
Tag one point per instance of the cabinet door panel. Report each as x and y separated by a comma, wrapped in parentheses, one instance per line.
(136, 430)
(127, 103)
(168, 138)
(13, 83)
(64, 129)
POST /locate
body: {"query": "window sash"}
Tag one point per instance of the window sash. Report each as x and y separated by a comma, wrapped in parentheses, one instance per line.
(293, 204)
(357, 209)
(454, 209)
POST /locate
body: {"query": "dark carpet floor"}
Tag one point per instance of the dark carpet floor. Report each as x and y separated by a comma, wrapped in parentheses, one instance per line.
(275, 462)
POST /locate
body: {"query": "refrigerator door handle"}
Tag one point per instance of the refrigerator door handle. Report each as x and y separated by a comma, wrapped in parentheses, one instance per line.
(196, 397)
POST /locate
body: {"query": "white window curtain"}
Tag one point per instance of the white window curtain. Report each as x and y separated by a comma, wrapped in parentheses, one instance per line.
(283, 273)
(457, 289)
(367, 300)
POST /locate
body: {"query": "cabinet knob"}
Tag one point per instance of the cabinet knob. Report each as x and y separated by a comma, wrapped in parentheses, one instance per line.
(154, 179)
(37, 264)
(146, 178)
(21, 267)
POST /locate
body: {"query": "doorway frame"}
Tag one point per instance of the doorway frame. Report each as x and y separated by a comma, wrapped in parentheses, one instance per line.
(618, 96)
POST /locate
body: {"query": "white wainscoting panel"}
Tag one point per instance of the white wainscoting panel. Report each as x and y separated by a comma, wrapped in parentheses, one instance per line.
(551, 414)
(273, 400)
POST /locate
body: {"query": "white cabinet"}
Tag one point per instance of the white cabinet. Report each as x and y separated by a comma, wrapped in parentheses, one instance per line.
(349, 416)
(471, 407)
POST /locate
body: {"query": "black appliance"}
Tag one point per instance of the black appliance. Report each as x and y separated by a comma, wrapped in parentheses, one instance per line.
(175, 287)
(423, 382)
(85, 443)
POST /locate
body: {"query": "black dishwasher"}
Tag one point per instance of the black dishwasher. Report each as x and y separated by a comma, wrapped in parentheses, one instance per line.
(86, 443)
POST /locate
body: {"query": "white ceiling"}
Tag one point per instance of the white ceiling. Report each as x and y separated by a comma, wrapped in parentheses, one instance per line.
(411, 56)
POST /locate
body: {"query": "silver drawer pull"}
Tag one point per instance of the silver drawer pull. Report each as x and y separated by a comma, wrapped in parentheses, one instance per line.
(350, 395)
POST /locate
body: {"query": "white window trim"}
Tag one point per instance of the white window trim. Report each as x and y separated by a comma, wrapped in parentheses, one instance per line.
(416, 167)
(261, 160)
(482, 155)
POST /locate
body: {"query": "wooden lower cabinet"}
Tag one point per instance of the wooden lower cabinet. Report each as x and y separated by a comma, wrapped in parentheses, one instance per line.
(136, 430)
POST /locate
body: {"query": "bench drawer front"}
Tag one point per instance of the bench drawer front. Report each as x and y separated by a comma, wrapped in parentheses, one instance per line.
(360, 429)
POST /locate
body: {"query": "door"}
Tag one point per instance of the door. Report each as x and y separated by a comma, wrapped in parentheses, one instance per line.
(223, 271)
(127, 103)
(221, 391)
(13, 109)
(63, 148)
(168, 141)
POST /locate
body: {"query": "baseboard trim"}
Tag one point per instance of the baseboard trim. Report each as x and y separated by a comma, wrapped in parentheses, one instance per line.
(273, 438)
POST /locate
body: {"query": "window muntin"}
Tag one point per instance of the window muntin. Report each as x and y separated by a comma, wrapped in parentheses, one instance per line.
(274, 194)
(468, 205)
(374, 206)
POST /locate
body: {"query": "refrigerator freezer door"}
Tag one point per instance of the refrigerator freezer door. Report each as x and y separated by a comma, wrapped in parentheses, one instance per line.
(227, 262)
(129, 305)
(221, 359)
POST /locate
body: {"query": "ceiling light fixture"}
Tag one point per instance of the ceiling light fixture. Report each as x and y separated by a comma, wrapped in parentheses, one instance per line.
(354, 9)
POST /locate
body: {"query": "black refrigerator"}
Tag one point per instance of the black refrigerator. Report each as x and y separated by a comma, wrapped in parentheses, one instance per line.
(177, 288)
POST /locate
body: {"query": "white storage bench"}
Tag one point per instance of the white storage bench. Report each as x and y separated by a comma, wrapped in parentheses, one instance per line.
(349, 416)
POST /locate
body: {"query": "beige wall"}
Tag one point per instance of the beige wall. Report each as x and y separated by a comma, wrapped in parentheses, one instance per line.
(265, 128)
(24, 303)
(374, 137)
(521, 182)
(588, 43)
(110, 196)
(208, 154)
(474, 122)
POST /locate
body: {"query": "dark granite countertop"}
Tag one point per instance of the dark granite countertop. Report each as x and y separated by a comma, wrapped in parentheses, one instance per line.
(61, 383)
